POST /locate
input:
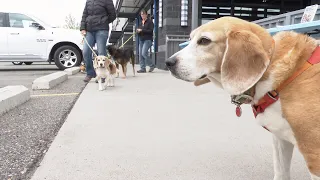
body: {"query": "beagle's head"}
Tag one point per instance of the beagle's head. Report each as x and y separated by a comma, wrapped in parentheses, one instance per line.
(233, 52)
(101, 62)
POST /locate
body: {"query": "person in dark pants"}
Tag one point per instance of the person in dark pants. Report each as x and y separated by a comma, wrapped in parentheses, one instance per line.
(96, 17)
(145, 33)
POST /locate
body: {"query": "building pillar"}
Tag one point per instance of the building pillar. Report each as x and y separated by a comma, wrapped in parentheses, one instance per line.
(156, 22)
(171, 25)
(195, 14)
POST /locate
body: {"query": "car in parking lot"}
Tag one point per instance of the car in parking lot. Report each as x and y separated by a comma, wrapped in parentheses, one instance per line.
(26, 39)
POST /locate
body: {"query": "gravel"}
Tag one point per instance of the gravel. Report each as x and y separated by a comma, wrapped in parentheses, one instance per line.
(27, 131)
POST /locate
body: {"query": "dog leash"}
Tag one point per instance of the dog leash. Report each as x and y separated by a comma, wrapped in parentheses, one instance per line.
(85, 39)
(127, 40)
(133, 35)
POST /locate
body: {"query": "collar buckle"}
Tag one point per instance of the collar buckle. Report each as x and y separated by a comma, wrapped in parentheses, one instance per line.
(241, 99)
(238, 100)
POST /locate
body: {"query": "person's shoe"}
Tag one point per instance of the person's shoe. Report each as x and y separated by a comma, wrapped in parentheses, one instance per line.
(87, 79)
(102, 80)
(151, 69)
(141, 71)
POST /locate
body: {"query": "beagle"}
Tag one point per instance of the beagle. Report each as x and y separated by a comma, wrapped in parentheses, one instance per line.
(278, 76)
(104, 68)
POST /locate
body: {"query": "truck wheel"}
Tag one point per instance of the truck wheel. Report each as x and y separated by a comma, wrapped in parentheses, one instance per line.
(67, 56)
(17, 63)
(28, 63)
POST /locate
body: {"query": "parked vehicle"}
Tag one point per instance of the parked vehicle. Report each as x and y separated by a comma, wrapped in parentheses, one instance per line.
(26, 39)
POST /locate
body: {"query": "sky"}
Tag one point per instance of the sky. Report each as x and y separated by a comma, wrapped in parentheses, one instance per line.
(51, 11)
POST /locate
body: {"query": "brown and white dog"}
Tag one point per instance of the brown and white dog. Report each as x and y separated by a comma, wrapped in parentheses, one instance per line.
(270, 73)
(104, 68)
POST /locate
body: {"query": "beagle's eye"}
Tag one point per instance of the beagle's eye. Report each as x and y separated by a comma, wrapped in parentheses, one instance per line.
(204, 41)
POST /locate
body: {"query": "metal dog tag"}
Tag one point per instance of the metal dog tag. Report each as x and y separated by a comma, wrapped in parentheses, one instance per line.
(238, 111)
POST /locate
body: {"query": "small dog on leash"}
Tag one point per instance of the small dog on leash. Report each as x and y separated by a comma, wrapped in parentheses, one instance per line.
(104, 68)
(122, 56)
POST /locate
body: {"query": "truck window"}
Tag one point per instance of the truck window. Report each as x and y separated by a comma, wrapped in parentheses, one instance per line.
(19, 20)
(1, 19)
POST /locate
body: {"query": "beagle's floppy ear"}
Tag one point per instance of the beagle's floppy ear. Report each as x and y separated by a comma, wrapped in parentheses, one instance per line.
(95, 63)
(107, 64)
(106, 61)
(113, 68)
(244, 61)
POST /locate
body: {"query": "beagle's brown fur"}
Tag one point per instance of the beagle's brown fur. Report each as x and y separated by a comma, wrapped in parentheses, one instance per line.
(238, 55)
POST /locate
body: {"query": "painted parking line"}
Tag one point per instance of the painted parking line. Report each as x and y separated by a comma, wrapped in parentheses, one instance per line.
(50, 95)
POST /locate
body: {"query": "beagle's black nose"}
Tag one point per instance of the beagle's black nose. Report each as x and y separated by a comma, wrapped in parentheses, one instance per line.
(171, 62)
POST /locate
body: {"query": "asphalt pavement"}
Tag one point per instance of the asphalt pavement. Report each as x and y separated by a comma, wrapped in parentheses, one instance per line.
(27, 131)
(23, 74)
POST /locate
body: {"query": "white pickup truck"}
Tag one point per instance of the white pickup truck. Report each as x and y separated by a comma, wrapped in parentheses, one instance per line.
(26, 39)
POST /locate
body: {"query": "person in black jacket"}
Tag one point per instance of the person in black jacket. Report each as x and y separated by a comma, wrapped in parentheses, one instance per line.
(145, 33)
(96, 17)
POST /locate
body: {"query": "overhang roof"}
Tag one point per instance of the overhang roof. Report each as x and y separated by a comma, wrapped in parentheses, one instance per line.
(130, 8)
(127, 9)
(249, 9)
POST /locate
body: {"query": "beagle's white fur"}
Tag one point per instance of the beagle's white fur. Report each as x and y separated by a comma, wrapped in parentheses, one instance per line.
(238, 56)
(104, 68)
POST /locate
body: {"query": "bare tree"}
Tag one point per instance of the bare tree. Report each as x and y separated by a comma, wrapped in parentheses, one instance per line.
(70, 22)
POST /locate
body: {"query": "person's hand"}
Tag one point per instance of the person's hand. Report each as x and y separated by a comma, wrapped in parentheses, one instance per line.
(83, 32)
(139, 30)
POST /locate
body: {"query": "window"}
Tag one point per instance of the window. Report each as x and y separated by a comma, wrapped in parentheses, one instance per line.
(20, 20)
(1, 19)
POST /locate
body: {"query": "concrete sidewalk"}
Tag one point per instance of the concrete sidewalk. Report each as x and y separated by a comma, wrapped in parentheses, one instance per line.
(155, 127)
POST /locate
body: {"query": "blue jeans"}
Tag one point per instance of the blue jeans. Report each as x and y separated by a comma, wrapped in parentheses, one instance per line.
(144, 58)
(100, 37)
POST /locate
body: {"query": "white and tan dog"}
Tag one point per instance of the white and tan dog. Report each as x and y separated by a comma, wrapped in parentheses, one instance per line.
(104, 68)
(279, 76)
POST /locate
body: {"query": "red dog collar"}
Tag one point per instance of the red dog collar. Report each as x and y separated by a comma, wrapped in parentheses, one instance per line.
(272, 96)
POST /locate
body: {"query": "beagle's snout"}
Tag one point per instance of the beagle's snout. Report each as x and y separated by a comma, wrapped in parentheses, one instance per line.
(171, 61)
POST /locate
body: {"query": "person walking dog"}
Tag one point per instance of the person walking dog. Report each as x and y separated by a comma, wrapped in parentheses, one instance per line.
(96, 17)
(145, 33)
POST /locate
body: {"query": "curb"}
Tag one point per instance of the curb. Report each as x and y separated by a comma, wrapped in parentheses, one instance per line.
(13, 96)
(72, 71)
(49, 81)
